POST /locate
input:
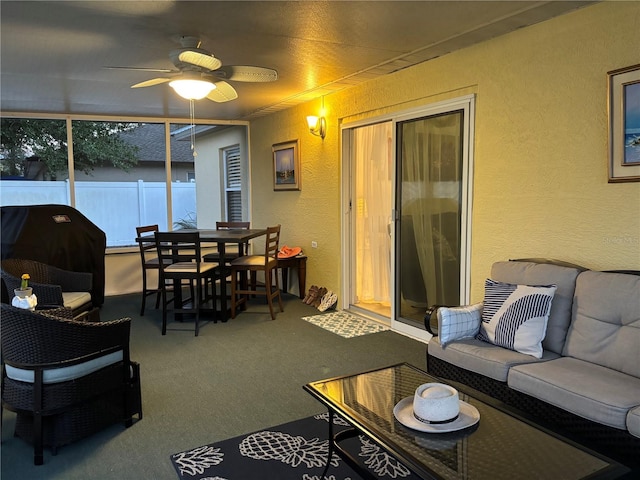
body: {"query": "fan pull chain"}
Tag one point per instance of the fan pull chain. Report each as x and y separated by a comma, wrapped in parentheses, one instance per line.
(193, 128)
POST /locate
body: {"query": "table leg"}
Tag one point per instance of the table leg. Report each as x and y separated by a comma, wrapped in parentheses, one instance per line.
(334, 446)
(302, 276)
(347, 457)
(285, 279)
(330, 454)
(224, 315)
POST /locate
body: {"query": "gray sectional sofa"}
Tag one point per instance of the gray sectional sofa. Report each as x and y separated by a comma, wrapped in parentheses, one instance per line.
(586, 385)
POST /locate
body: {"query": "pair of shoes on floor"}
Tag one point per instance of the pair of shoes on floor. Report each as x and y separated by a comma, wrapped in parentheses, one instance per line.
(328, 301)
(311, 295)
(321, 293)
(314, 296)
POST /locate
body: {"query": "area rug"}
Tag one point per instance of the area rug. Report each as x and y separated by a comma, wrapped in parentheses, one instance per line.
(345, 324)
(295, 450)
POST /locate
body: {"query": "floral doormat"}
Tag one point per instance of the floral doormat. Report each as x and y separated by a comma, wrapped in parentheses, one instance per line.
(346, 324)
(295, 450)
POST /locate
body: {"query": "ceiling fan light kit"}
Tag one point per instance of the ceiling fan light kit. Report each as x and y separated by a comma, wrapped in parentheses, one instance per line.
(192, 89)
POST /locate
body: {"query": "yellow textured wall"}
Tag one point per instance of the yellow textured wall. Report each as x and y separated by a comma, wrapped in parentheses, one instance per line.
(540, 179)
(311, 214)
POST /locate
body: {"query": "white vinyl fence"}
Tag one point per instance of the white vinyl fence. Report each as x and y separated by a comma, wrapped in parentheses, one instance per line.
(115, 207)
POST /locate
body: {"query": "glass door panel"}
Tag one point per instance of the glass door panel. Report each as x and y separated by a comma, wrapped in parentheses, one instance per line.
(429, 203)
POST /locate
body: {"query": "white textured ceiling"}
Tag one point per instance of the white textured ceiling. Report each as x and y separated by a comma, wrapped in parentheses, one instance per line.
(53, 54)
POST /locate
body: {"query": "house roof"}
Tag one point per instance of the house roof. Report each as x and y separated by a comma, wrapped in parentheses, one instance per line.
(150, 140)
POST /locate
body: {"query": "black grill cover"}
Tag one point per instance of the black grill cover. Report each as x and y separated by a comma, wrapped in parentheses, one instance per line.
(57, 235)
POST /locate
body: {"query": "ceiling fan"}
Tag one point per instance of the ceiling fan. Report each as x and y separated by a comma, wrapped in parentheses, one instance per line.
(199, 74)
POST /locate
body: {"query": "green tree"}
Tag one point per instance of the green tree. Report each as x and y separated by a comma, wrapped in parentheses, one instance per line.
(95, 144)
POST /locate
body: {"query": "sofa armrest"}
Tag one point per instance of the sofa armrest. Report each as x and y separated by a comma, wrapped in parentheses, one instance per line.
(431, 319)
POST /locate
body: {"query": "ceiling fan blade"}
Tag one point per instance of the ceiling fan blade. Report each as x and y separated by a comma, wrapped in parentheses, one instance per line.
(246, 73)
(143, 69)
(151, 83)
(223, 92)
(199, 59)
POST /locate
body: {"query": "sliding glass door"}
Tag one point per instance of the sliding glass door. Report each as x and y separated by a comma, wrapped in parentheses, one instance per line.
(407, 204)
(429, 203)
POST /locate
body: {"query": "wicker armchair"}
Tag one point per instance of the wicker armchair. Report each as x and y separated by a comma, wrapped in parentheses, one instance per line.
(66, 379)
(53, 286)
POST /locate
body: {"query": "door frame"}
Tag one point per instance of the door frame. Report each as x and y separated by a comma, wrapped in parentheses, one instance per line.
(465, 103)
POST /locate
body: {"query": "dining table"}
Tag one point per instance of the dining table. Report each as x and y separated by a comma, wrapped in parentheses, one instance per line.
(221, 238)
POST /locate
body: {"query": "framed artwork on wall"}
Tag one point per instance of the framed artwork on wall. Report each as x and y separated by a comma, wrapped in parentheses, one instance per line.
(624, 124)
(286, 166)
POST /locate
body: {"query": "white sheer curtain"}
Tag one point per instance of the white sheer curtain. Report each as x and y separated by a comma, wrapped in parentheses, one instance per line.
(430, 208)
(372, 209)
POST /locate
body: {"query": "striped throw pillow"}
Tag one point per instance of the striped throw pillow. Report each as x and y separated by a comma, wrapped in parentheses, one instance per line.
(516, 316)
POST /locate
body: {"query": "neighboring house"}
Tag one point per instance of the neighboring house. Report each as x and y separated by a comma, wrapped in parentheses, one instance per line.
(149, 138)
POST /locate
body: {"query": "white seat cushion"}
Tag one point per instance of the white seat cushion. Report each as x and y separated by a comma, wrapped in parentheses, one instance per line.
(188, 267)
(75, 300)
(253, 261)
(64, 374)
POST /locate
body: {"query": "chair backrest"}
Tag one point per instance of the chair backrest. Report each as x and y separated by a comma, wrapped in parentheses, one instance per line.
(272, 244)
(48, 282)
(149, 230)
(178, 246)
(243, 249)
(38, 271)
(147, 242)
(233, 225)
(43, 337)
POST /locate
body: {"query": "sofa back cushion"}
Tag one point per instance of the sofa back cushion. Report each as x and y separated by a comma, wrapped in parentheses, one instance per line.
(516, 316)
(605, 328)
(532, 273)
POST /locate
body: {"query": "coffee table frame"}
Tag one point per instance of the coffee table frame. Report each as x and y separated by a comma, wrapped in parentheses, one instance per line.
(375, 420)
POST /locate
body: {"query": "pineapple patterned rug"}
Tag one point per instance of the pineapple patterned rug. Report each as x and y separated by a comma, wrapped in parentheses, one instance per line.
(296, 450)
(345, 324)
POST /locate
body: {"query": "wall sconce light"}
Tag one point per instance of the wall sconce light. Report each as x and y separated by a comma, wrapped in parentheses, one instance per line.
(317, 125)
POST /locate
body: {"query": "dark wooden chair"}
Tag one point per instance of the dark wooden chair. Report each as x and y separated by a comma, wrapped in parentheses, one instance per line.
(180, 259)
(223, 271)
(52, 286)
(149, 257)
(243, 248)
(266, 263)
(66, 379)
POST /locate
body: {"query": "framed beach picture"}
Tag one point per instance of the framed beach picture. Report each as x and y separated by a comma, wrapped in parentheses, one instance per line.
(286, 166)
(624, 124)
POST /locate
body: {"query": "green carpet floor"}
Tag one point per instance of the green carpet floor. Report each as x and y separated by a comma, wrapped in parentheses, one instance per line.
(235, 378)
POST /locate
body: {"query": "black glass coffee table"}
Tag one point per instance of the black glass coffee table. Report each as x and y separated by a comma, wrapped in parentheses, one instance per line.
(502, 445)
